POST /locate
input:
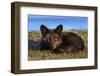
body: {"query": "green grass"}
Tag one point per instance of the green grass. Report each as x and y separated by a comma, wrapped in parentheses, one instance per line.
(36, 54)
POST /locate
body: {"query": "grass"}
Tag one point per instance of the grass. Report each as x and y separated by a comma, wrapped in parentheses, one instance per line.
(35, 54)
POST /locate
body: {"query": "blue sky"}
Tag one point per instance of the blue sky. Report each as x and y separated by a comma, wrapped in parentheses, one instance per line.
(68, 22)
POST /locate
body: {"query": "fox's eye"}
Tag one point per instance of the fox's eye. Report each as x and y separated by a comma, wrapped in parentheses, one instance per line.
(56, 39)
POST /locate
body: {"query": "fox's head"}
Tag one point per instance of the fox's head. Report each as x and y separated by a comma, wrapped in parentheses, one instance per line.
(51, 38)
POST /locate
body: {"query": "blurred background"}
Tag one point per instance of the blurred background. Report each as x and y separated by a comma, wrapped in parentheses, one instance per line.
(68, 22)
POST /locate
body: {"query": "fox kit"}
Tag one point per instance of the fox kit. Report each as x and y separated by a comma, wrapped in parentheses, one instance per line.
(57, 40)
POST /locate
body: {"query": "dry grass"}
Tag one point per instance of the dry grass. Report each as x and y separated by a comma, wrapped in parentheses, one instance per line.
(35, 54)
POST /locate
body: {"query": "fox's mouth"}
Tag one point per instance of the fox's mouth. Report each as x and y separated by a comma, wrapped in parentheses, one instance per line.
(54, 47)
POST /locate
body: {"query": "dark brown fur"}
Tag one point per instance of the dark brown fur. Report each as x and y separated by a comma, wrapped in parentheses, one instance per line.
(57, 40)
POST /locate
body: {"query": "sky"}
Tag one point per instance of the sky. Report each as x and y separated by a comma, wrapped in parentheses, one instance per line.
(68, 22)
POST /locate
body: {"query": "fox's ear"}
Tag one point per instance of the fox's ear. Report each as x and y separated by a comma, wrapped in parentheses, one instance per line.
(59, 29)
(44, 29)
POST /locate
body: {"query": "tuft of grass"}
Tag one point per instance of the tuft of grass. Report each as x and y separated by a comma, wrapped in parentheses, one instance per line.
(36, 54)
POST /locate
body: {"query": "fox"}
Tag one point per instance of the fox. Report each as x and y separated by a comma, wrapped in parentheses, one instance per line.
(57, 40)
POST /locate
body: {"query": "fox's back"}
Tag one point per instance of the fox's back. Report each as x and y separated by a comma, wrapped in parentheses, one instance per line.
(72, 40)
